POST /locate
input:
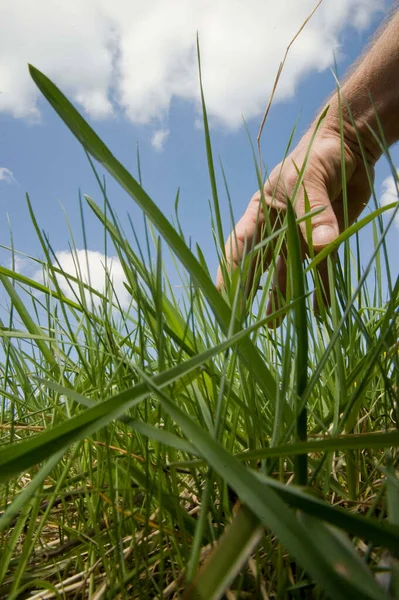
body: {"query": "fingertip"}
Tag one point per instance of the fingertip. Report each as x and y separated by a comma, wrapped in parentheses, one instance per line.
(323, 235)
(219, 280)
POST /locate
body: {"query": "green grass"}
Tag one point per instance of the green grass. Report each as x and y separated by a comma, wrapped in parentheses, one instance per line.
(152, 451)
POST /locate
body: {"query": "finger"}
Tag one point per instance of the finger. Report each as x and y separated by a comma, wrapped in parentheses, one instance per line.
(324, 225)
(358, 194)
(278, 293)
(240, 238)
(247, 232)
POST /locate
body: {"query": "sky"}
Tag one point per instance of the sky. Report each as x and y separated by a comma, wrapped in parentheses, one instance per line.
(131, 68)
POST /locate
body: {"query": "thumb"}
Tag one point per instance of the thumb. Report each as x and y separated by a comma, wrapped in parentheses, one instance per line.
(324, 225)
(324, 234)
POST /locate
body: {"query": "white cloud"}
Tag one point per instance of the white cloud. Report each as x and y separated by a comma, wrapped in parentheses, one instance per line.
(159, 138)
(389, 194)
(7, 175)
(19, 264)
(137, 56)
(89, 267)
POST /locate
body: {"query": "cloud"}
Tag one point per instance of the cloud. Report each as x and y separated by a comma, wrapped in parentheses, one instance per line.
(7, 175)
(89, 267)
(135, 57)
(159, 138)
(20, 264)
(389, 194)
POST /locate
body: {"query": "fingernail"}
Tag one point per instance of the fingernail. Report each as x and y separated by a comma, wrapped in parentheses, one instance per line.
(323, 235)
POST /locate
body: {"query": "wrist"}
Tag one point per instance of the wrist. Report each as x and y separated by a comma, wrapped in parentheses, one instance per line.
(357, 133)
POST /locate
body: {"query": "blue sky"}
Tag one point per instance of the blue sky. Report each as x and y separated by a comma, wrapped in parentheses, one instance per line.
(39, 155)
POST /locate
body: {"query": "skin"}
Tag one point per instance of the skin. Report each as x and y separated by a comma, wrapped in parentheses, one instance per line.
(372, 86)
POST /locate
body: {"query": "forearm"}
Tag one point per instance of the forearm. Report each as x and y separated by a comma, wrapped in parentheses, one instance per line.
(371, 92)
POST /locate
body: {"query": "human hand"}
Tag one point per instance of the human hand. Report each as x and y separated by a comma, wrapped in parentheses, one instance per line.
(323, 184)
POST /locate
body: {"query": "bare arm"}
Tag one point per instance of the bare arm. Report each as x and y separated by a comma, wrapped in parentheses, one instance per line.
(373, 85)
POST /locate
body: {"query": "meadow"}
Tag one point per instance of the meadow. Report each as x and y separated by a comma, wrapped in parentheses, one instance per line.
(181, 448)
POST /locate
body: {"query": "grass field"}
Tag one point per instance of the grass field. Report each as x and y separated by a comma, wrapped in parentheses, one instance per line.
(182, 449)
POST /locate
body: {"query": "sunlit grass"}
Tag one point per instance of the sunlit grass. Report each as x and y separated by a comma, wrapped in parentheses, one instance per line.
(151, 451)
